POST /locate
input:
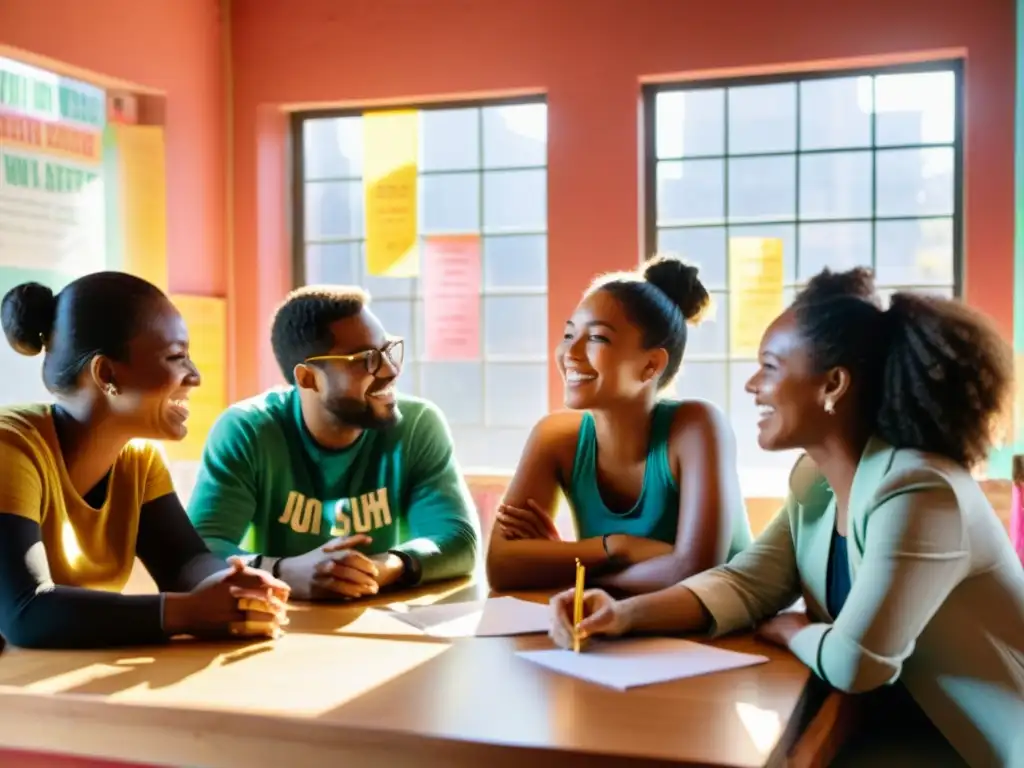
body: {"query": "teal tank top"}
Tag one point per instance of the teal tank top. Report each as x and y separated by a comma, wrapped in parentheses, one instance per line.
(655, 515)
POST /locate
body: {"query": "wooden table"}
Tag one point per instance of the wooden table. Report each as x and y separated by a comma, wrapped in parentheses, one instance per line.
(346, 683)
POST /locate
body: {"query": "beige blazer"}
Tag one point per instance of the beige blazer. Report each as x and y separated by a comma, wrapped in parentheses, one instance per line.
(937, 597)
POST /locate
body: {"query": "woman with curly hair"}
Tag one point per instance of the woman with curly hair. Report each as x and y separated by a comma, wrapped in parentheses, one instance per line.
(913, 591)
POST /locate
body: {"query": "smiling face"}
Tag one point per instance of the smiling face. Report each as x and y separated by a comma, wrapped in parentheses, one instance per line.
(354, 382)
(154, 382)
(601, 357)
(789, 391)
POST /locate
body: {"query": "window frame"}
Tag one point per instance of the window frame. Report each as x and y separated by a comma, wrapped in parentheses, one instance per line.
(650, 92)
(299, 240)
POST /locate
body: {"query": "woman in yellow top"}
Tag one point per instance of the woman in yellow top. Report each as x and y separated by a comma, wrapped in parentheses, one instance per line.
(83, 492)
(914, 594)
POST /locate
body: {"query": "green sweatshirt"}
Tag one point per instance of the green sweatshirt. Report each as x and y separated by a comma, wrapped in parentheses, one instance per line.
(264, 484)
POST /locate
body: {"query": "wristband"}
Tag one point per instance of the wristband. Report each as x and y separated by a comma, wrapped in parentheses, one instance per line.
(413, 571)
(275, 570)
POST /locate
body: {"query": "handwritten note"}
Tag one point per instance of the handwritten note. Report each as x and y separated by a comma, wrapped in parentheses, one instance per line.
(625, 664)
(495, 617)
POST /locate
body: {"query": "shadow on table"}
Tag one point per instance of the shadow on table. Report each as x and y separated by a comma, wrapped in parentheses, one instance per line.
(110, 671)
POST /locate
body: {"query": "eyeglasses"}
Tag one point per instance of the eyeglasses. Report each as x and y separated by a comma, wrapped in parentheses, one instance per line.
(394, 350)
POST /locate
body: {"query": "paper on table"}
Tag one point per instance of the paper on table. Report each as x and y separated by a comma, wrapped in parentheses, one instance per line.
(493, 617)
(626, 664)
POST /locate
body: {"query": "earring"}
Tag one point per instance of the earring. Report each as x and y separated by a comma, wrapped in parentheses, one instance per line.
(830, 406)
(111, 390)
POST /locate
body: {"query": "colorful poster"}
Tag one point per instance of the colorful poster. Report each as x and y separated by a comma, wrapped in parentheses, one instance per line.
(142, 201)
(51, 173)
(755, 291)
(451, 298)
(390, 170)
(207, 321)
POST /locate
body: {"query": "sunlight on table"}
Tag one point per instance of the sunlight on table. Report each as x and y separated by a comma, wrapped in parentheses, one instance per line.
(764, 726)
(294, 667)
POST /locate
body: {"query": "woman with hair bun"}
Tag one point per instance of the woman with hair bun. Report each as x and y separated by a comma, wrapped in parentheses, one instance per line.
(651, 482)
(81, 496)
(914, 594)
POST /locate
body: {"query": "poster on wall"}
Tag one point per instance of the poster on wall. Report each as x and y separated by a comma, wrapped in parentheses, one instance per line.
(390, 173)
(451, 297)
(755, 291)
(52, 206)
(207, 320)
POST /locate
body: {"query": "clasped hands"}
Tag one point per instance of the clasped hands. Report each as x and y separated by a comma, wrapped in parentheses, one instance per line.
(338, 570)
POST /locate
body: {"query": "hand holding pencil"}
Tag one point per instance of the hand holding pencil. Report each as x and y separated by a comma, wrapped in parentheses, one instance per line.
(600, 614)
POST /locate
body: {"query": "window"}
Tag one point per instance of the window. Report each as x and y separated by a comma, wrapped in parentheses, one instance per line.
(482, 171)
(845, 169)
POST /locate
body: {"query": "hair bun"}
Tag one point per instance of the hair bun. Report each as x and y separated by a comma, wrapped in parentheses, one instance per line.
(27, 314)
(678, 280)
(858, 283)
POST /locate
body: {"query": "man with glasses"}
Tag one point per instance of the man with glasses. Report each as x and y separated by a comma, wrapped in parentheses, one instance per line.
(336, 484)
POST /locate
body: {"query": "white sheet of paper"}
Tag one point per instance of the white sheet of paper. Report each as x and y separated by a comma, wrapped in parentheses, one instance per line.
(623, 664)
(494, 617)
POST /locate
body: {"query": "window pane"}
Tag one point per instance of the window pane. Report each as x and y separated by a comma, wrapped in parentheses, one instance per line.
(784, 232)
(914, 252)
(837, 246)
(915, 108)
(711, 336)
(450, 139)
(835, 185)
(450, 203)
(334, 209)
(456, 388)
(388, 287)
(704, 246)
(690, 124)
(396, 317)
(409, 379)
(691, 191)
(743, 414)
(915, 182)
(336, 263)
(479, 449)
(517, 395)
(516, 325)
(704, 381)
(515, 261)
(762, 188)
(515, 135)
(515, 201)
(762, 118)
(332, 148)
(832, 115)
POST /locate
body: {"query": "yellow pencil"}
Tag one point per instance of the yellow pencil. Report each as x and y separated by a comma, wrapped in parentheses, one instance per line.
(578, 605)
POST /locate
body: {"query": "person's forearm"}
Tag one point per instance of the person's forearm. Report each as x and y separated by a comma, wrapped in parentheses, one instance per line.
(69, 617)
(539, 563)
(675, 610)
(649, 575)
(442, 558)
(224, 548)
(197, 570)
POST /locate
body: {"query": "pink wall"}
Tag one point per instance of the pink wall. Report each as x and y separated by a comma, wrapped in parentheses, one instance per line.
(589, 58)
(173, 46)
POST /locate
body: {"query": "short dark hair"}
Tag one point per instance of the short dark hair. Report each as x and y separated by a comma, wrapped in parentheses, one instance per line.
(97, 314)
(301, 326)
(933, 374)
(661, 298)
